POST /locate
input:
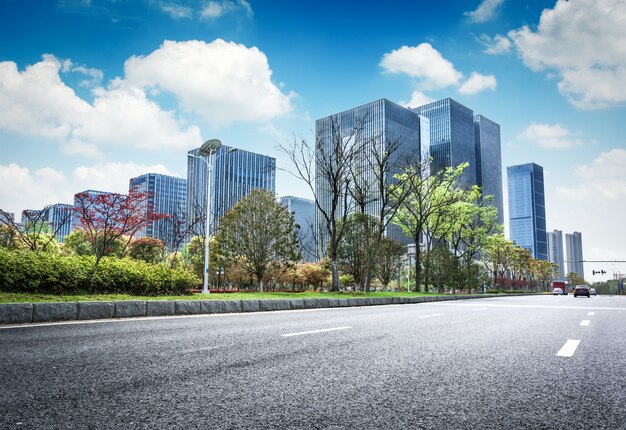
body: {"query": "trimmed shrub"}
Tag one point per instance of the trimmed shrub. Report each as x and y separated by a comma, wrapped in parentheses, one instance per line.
(45, 273)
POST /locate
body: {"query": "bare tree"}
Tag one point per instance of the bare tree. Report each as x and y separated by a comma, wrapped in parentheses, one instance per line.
(36, 230)
(325, 168)
(382, 194)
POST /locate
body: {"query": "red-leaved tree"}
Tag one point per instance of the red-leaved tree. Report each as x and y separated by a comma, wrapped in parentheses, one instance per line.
(108, 217)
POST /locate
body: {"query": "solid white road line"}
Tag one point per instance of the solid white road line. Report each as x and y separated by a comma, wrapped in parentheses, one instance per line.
(591, 314)
(429, 316)
(585, 322)
(316, 331)
(568, 349)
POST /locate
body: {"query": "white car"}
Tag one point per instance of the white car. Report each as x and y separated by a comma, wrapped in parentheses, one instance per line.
(557, 292)
(592, 291)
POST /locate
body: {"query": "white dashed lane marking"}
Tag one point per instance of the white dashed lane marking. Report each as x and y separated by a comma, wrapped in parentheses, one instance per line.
(591, 314)
(568, 349)
(430, 316)
(585, 322)
(316, 331)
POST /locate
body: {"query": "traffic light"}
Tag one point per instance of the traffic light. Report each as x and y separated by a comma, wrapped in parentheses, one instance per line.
(598, 272)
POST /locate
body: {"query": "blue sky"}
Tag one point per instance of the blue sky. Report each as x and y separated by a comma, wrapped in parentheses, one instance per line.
(95, 92)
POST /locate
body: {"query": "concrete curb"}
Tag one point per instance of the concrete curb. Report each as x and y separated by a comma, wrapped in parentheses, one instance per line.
(23, 313)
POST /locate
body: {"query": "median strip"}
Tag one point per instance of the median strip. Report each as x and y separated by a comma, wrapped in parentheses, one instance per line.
(316, 331)
(568, 349)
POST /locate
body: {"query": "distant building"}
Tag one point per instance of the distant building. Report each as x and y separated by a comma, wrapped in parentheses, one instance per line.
(458, 136)
(527, 211)
(60, 218)
(304, 215)
(574, 244)
(555, 250)
(376, 126)
(166, 195)
(235, 175)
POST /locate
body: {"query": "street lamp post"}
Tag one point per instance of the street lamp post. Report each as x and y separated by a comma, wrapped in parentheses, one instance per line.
(208, 148)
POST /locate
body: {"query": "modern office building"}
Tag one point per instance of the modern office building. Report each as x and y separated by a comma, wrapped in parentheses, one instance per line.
(166, 195)
(574, 245)
(452, 136)
(527, 211)
(458, 136)
(235, 174)
(555, 250)
(373, 128)
(489, 161)
(60, 218)
(303, 211)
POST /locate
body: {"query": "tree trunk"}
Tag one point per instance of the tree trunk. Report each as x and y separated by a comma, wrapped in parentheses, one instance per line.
(335, 281)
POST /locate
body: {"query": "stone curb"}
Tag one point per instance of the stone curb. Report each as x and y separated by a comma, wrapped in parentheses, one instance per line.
(21, 313)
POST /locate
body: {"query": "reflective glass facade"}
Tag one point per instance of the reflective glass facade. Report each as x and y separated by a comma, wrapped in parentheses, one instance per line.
(489, 161)
(555, 250)
(373, 126)
(452, 136)
(166, 195)
(235, 175)
(60, 216)
(527, 211)
(574, 244)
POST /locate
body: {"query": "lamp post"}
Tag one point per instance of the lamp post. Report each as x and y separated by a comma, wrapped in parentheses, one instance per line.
(208, 148)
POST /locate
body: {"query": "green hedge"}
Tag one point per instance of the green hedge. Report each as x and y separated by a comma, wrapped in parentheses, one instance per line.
(49, 273)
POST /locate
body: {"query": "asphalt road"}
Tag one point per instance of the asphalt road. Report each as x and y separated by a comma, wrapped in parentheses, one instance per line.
(469, 364)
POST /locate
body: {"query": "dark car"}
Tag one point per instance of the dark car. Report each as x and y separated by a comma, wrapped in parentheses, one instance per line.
(582, 290)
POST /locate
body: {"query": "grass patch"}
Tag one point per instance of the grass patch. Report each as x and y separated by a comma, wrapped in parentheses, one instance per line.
(24, 297)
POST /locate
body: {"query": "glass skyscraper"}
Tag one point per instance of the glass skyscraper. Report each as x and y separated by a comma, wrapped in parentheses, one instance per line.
(489, 161)
(166, 195)
(458, 136)
(235, 175)
(374, 128)
(574, 244)
(555, 250)
(527, 210)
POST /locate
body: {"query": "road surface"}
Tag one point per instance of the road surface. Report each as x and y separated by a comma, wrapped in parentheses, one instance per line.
(535, 362)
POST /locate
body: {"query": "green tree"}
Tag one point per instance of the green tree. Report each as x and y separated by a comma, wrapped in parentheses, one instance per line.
(427, 201)
(147, 249)
(574, 279)
(356, 246)
(388, 260)
(259, 231)
(76, 243)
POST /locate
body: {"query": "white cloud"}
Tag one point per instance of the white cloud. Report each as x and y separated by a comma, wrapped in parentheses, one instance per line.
(485, 11)
(217, 9)
(431, 71)
(222, 81)
(582, 41)
(37, 103)
(417, 99)
(21, 188)
(477, 83)
(176, 11)
(550, 136)
(424, 63)
(497, 45)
